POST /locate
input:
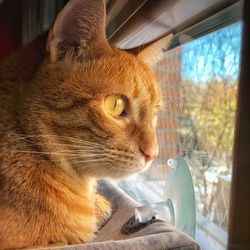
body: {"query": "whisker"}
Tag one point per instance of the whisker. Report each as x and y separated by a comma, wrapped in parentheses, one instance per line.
(65, 153)
(79, 142)
(71, 139)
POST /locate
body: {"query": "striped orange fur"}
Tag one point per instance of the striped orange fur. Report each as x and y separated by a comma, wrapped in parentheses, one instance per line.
(57, 140)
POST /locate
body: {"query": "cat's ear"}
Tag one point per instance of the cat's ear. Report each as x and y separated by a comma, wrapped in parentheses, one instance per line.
(155, 51)
(79, 31)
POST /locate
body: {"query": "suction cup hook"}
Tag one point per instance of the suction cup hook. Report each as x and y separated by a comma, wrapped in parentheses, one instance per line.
(172, 163)
(179, 190)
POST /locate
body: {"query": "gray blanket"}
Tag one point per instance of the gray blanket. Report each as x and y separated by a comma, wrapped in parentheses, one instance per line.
(158, 236)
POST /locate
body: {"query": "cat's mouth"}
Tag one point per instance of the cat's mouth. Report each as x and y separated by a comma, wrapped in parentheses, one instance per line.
(123, 171)
(115, 168)
(147, 165)
(111, 162)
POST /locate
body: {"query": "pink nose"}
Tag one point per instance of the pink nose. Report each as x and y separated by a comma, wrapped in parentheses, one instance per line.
(149, 153)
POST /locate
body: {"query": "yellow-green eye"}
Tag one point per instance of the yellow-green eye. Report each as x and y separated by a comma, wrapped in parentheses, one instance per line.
(114, 105)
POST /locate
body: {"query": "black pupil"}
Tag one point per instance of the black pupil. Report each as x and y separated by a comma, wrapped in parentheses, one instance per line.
(115, 104)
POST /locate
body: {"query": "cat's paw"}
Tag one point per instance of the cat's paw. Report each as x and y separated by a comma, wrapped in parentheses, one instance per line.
(103, 210)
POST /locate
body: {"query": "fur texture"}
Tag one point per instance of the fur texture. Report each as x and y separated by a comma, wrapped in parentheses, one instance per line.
(56, 138)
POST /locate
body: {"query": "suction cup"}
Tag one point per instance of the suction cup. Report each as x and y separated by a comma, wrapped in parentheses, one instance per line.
(179, 191)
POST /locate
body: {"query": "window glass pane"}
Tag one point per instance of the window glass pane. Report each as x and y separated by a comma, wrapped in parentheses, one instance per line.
(199, 83)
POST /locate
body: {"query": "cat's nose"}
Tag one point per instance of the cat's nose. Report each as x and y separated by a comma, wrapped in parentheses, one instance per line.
(149, 152)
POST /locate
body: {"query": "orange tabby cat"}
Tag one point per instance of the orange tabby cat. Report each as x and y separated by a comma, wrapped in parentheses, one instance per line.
(72, 110)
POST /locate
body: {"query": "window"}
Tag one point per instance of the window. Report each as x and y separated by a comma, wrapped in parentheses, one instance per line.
(199, 82)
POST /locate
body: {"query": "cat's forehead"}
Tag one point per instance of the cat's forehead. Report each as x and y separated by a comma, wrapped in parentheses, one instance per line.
(120, 73)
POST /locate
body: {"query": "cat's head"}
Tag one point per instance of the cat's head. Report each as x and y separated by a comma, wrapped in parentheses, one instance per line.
(95, 105)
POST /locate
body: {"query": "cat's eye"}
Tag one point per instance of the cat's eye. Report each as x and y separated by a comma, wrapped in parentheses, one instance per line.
(115, 105)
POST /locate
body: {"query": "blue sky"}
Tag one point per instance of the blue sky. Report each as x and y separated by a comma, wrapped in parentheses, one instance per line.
(214, 56)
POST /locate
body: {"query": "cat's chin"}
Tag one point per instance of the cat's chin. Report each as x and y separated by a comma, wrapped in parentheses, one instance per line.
(140, 168)
(119, 172)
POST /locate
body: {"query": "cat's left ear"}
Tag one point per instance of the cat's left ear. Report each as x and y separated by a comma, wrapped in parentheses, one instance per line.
(79, 31)
(155, 51)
